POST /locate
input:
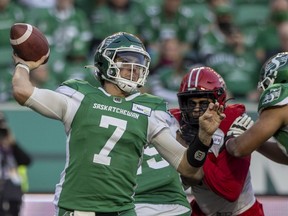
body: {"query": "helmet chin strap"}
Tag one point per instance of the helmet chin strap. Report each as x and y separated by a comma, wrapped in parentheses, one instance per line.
(122, 86)
(128, 88)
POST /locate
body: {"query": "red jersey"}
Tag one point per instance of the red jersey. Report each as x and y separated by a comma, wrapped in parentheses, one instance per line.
(226, 188)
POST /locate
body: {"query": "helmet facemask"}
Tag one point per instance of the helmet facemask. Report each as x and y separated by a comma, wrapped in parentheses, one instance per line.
(188, 107)
(267, 81)
(191, 112)
(119, 53)
(133, 61)
(275, 70)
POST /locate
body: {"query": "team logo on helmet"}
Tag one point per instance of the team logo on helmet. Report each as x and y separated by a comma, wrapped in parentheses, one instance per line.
(275, 63)
(112, 38)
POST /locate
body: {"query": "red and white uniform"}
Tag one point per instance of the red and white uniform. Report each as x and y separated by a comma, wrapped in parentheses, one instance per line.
(226, 188)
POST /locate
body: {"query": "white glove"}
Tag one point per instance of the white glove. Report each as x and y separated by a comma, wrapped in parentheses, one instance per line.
(240, 125)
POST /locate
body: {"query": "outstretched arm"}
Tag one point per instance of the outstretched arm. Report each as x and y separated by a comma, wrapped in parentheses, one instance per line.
(274, 151)
(44, 101)
(189, 161)
(270, 120)
(22, 87)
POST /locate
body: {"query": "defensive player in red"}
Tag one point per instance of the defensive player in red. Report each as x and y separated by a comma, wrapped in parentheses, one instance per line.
(226, 187)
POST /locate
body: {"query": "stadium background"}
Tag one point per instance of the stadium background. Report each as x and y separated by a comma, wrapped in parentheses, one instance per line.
(44, 139)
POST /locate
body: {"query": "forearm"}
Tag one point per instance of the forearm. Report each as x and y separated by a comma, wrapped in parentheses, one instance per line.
(192, 175)
(275, 152)
(177, 156)
(22, 87)
(245, 143)
(269, 121)
(168, 147)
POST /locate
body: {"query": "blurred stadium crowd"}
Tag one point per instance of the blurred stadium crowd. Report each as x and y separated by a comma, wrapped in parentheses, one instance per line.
(234, 37)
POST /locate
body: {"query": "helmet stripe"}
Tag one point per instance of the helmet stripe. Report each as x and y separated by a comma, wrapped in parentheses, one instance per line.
(197, 76)
(190, 78)
(191, 75)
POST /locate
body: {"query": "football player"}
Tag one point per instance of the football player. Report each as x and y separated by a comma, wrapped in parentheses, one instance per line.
(226, 187)
(159, 188)
(273, 119)
(108, 126)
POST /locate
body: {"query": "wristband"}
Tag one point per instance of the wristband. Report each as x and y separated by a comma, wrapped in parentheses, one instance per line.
(197, 152)
(24, 66)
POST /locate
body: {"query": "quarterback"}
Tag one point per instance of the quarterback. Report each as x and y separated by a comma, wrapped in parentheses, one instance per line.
(108, 126)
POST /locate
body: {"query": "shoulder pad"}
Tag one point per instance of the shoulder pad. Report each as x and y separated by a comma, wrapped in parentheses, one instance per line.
(73, 82)
(232, 112)
(152, 101)
(275, 95)
(176, 113)
(79, 85)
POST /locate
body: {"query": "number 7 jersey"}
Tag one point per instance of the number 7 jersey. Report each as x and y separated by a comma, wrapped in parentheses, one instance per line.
(105, 142)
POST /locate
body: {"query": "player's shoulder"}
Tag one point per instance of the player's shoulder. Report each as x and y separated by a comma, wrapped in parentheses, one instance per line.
(79, 85)
(152, 101)
(176, 112)
(275, 95)
(238, 108)
(232, 111)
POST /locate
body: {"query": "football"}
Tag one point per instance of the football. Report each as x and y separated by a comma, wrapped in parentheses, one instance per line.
(28, 42)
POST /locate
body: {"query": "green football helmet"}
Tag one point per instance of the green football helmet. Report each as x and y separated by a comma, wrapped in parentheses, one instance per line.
(275, 70)
(122, 51)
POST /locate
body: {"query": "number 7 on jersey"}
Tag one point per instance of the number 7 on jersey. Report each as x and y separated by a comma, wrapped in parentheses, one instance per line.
(102, 157)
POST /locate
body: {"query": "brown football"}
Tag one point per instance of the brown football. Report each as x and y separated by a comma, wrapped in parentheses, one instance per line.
(28, 42)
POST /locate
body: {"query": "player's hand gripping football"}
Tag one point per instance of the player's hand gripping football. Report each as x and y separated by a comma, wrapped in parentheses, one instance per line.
(31, 64)
(240, 125)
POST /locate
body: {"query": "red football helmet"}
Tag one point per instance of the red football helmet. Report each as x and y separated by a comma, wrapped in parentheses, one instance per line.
(203, 81)
(200, 82)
